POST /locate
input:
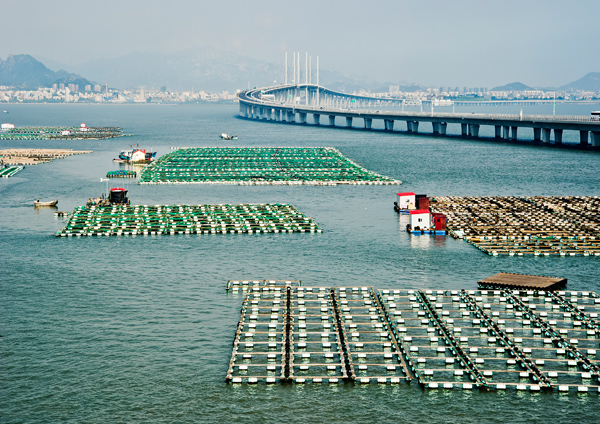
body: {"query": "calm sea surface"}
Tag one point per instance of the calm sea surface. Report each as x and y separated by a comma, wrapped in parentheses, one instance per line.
(140, 329)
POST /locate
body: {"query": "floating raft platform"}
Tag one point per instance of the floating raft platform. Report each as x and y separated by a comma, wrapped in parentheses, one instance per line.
(10, 171)
(243, 285)
(259, 166)
(519, 226)
(117, 220)
(465, 339)
(506, 280)
(60, 133)
(36, 156)
(122, 173)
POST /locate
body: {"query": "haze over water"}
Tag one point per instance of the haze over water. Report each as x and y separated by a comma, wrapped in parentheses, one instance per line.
(140, 329)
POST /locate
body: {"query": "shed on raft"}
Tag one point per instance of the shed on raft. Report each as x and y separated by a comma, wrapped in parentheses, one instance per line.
(405, 202)
(420, 221)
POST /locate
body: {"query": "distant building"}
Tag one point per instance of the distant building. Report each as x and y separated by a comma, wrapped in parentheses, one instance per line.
(97, 88)
(394, 89)
(88, 88)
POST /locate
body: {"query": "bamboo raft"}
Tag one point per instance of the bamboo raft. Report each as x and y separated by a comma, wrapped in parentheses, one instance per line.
(259, 166)
(36, 156)
(125, 220)
(477, 339)
(518, 226)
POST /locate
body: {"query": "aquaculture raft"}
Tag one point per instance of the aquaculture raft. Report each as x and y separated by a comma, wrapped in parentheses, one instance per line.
(60, 133)
(10, 171)
(117, 220)
(36, 156)
(517, 226)
(121, 174)
(243, 285)
(476, 339)
(257, 166)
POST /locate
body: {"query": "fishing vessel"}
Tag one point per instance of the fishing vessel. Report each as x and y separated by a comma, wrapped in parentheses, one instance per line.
(133, 155)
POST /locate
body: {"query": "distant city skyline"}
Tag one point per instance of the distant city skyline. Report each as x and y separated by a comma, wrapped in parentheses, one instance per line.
(465, 43)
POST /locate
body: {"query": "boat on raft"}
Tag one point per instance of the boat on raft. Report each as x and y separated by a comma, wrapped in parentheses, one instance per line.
(135, 155)
(38, 203)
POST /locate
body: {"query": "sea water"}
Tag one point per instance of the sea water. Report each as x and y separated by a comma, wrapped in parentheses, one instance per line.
(140, 329)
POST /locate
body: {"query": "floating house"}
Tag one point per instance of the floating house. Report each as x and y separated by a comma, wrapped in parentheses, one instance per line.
(424, 222)
(405, 203)
(420, 221)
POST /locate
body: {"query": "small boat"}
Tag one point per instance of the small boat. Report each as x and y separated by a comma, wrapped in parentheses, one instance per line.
(5, 111)
(225, 136)
(38, 202)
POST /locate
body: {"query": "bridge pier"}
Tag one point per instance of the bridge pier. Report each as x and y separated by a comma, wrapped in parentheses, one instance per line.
(389, 124)
(595, 138)
(498, 133)
(412, 126)
(368, 122)
(505, 132)
(349, 121)
(546, 135)
(583, 138)
(474, 130)
(558, 136)
(537, 134)
(290, 116)
(332, 120)
(463, 129)
(513, 132)
(302, 117)
(316, 118)
(435, 128)
(443, 128)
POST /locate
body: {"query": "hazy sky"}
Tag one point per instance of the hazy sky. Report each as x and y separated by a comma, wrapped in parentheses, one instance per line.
(473, 43)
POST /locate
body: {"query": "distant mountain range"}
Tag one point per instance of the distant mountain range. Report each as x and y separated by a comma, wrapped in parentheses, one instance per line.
(590, 82)
(24, 72)
(513, 86)
(207, 69)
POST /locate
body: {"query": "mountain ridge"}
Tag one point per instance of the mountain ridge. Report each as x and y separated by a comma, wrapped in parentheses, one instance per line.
(25, 72)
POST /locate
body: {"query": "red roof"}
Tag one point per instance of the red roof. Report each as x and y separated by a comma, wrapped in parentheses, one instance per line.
(410, 193)
(418, 211)
(117, 189)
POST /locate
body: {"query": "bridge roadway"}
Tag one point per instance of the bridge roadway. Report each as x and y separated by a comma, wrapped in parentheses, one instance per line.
(293, 104)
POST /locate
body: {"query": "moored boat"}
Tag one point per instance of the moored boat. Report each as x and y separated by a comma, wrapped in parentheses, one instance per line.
(38, 202)
(225, 136)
